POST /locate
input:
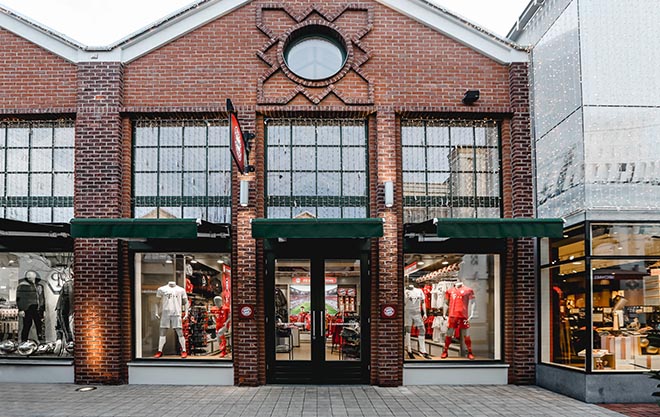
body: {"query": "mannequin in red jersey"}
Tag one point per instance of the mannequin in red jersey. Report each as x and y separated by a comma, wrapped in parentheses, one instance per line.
(461, 306)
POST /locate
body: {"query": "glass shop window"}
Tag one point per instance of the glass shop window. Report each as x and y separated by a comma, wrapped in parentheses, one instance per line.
(626, 314)
(451, 307)
(183, 305)
(36, 305)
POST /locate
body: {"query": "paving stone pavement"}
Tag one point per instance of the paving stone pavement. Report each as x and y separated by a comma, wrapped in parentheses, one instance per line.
(289, 401)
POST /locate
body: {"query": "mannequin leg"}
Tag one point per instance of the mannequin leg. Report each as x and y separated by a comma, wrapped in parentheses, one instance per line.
(162, 333)
(445, 352)
(182, 342)
(422, 346)
(407, 342)
(468, 344)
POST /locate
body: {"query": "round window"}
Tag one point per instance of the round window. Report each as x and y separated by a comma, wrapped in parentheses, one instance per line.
(315, 57)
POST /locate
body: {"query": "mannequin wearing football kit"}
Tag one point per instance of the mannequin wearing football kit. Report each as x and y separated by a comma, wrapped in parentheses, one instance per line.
(414, 314)
(460, 303)
(172, 297)
(222, 313)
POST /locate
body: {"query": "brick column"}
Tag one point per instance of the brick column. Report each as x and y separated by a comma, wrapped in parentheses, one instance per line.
(100, 319)
(247, 273)
(520, 290)
(388, 334)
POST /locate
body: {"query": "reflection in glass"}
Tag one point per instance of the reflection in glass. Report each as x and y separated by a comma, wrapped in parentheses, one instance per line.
(315, 57)
(202, 320)
(449, 168)
(308, 172)
(36, 304)
(293, 307)
(182, 166)
(342, 310)
(626, 314)
(450, 308)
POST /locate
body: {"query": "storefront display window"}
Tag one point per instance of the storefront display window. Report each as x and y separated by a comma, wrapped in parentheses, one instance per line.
(611, 306)
(626, 296)
(564, 336)
(36, 305)
(451, 307)
(183, 306)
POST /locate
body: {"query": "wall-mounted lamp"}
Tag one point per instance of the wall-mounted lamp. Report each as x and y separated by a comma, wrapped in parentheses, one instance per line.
(244, 193)
(389, 193)
(470, 97)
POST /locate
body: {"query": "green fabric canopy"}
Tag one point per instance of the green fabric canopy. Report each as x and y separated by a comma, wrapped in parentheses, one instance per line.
(134, 228)
(317, 228)
(499, 228)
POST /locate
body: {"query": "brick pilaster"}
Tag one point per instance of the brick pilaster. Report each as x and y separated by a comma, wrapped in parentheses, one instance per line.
(520, 287)
(388, 340)
(100, 321)
(248, 275)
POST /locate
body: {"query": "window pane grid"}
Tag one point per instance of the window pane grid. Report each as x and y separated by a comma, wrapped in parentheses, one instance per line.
(450, 169)
(182, 168)
(36, 170)
(316, 167)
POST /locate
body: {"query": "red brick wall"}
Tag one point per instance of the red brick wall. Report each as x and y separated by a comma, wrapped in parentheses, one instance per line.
(101, 287)
(389, 340)
(409, 70)
(520, 282)
(31, 77)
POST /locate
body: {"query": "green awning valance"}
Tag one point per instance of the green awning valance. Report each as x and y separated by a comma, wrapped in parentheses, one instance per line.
(317, 228)
(143, 228)
(499, 228)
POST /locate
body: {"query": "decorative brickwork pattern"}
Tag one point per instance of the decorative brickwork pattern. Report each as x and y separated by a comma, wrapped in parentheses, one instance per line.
(102, 307)
(272, 19)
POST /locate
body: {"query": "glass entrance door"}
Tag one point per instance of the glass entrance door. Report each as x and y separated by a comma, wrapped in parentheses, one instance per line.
(317, 321)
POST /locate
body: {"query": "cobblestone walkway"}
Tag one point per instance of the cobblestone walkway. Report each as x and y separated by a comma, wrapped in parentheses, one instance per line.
(290, 401)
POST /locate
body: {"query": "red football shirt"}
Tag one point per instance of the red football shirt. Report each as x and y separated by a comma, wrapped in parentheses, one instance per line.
(459, 300)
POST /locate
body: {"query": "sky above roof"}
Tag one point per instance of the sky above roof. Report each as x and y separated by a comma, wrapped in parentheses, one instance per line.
(103, 22)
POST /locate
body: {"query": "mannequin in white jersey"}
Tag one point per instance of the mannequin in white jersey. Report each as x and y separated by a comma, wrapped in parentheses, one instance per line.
(172, 297)
(414, 314)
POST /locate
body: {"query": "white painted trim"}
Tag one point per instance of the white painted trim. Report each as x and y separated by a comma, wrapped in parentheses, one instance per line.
(188, 372)
(498, 306)
(52, 42)
(458, 30)
(174, 29)
(160, 33)
(37, 371)
(137, 258)
(469, 374)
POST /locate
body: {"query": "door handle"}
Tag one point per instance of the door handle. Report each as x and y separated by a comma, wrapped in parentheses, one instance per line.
(313, 325)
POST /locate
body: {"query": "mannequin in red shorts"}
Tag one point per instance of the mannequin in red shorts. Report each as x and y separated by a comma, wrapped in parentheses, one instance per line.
(459, 302)
(222, 312)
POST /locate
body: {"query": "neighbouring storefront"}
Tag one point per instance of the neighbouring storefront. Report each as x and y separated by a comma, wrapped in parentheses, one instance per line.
(378, 228)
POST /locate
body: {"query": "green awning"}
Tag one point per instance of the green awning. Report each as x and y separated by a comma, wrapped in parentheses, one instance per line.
(499, 228)
(317, 228)
(134, 228)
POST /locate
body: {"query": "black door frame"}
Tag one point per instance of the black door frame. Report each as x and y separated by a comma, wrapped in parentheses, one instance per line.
(318, 371)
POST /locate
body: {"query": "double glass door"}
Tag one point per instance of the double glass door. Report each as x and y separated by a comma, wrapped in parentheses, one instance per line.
(317, 323)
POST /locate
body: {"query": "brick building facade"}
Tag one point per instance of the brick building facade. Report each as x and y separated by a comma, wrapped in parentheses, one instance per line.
(403, 62)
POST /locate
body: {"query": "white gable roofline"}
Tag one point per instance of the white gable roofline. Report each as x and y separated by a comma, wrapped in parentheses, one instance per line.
(202, 12)
(459, 29)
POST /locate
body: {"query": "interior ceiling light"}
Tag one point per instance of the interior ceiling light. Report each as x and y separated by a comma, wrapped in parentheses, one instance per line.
(445, 262)
(220, 261)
